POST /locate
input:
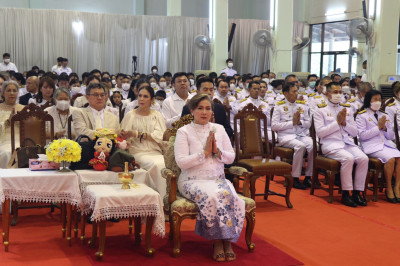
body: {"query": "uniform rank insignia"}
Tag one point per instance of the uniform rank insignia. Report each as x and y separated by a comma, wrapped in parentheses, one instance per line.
(351, 100)
(285, 108)
(363, 111)
(345, 104)
(322, 105)
(242, 100)
(370, 119)
(317, 97)
(281, 102)
(301, 102)
(391, 104)
(269, 91)
(312, 94)
(301, 110)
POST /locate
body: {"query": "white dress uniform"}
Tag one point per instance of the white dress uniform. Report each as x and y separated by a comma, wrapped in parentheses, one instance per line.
(243, 94)
(374, 142)
(355, 104)
(315, 99)
(294, 136)
(338, 144)
(310, 90)
(276, 95)
(391, 109)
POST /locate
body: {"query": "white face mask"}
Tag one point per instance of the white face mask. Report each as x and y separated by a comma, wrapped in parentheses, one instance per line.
(376, 105)
(266, 80)
(163, 84)
(154, 71)
(153, 85)
(346, 89)
(7, 60)
(75, 90)
(230, 65)
(113, 82)
(159, 102)
(126, 86)
(232, 87)
(191, 82)
(336, 98)
(62, 105)
(323, 89)
(270, 80)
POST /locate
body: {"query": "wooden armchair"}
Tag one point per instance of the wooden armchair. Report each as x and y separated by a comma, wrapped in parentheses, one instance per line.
(32, 124)
(329, 167)
(249, 146)
(179, 208)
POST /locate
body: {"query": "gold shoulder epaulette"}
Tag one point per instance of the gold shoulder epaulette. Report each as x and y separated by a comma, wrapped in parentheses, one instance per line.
(193, 91)
(312, 94)
(238, 90)
(242, 100)
(321, 105)
(317, 97)
(269, 91)
(300, 101)
(344, 104)
(351, 100)
(391, 104)
(281, 102)
(302, 93)
(363, 111)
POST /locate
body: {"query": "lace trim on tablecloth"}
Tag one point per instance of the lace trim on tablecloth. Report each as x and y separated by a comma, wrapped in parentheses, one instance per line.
(46, 197)
(120, 212)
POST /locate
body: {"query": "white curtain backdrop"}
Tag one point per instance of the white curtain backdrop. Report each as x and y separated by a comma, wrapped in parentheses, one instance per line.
(247, 56)
(103, 41)
(299, 29)
(108, 42)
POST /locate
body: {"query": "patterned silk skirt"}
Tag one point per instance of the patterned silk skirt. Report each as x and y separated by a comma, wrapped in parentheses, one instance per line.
(221, 211)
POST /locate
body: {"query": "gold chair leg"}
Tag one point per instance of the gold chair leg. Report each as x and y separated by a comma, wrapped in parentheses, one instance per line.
(176, 223)
(102, 240)
(251, 222)
(149, 225)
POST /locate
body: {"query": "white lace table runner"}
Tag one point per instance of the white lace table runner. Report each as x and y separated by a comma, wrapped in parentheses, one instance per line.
(39, 186)
(110, 201)
(92, 177)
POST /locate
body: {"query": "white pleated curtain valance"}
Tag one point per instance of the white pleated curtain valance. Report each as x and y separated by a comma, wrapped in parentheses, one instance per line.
(108, 41)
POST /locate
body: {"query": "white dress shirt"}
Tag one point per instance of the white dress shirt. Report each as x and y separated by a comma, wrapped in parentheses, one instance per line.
(96, 114)
(229, 72)
(9, 67)
(63, 70)
(172, 109)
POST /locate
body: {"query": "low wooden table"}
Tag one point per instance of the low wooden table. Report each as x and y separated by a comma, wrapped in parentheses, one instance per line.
(38, 186)
(110, 201)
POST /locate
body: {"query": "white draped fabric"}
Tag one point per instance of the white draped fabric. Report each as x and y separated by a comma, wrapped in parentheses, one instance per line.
(108, 41)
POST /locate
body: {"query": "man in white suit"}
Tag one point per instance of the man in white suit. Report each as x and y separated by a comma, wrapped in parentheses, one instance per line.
(87, 120)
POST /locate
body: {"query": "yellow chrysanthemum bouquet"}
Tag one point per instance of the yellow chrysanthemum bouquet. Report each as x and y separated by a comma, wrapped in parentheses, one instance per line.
(62, 151)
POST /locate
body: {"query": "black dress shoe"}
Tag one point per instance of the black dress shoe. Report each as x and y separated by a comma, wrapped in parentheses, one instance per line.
(307, 182)
(391, 200)
(348, 200)
(396, 197)
(358, 199)
(298, 185)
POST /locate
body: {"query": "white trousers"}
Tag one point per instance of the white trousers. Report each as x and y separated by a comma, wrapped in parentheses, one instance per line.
(347, 157)
(300, 145)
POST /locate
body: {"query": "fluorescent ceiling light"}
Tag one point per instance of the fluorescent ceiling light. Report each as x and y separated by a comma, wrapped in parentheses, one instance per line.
(335, 12)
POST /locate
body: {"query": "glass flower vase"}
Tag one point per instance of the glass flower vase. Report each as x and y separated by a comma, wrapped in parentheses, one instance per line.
(64, 167)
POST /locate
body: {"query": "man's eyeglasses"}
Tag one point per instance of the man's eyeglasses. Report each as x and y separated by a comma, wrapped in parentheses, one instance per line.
(96, 95)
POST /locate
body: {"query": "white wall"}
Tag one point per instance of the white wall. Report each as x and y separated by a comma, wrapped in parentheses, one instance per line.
(318, 8)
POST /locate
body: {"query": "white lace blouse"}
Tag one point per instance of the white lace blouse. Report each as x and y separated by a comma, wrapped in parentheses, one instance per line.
(189, 151)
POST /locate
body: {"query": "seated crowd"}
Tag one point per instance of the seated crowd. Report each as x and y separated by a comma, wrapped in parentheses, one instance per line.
(141, 107)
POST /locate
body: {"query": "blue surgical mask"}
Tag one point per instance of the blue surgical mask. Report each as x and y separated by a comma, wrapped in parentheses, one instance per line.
(312, 84)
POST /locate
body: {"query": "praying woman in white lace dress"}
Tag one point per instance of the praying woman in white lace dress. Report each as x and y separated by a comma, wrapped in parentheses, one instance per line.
(201, 150)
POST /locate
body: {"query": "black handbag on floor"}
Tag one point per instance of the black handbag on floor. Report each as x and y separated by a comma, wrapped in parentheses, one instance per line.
(86, 155)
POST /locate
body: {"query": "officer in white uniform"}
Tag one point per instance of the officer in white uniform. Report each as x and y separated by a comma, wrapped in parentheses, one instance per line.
(392, 108)
(312, 81)
(276, 93)
(335, 126)
(291, 120)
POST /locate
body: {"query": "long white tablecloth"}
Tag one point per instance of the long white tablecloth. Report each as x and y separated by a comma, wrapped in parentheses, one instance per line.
(23, 184)
(110, 201)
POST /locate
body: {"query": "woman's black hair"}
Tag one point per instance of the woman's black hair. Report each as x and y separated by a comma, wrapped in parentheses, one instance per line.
(368, 97)
(149, 89)
(50, 82)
